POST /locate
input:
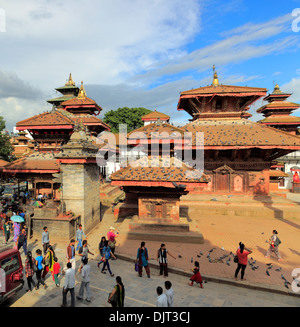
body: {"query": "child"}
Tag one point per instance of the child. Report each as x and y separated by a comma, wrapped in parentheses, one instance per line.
(163, 260)
(196, 277)
(56, 270)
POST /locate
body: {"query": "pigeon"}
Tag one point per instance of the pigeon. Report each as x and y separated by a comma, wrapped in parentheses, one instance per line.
(211, 250)
(286, 285)
(198, 256)
(278, 269)
(267, 273)
(179, 256)
(262, 233)
(201, 253)
(209, 260)
(192, 260)
(208, 256)
(269, 264)
(270, 267)
(283, 277)
(227, 262)
(252, 267)
(223, 248)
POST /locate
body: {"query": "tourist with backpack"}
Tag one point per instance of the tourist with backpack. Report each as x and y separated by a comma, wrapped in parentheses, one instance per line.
(107, 255)
(274, 242)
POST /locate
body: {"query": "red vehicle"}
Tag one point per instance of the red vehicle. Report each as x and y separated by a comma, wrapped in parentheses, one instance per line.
(11, 273)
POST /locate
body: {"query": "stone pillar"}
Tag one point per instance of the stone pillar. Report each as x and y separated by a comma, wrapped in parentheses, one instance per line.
(80, 179)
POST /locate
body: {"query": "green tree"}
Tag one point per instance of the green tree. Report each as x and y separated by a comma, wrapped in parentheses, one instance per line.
(129, 116)
(6, 147)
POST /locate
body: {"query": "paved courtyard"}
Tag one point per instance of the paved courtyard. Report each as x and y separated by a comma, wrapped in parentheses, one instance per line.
(221, 233)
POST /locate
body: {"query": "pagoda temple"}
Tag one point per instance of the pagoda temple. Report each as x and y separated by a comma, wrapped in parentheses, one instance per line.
(154, 116)
(68, 91)
(238, 153)
(50, 130)
(278, 111)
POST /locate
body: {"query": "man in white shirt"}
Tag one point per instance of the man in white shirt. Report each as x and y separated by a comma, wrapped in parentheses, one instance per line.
(169, 293)
(85, 282)
(161, 298)
(69, 285)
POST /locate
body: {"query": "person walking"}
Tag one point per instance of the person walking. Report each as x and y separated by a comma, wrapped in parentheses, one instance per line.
(169, 293)
(163, 260)
(242, 254)
(22, 241)
(29, 270)
(162, 300)
(85, 251)
(117, 296)
(197, 276)
(111, 237)
(56, 271)
(38, 262)
(48, 261)
(17, 230)
(71, 254)
(107, 255)
(274, 242)
(45, 239)
(85, 281)
(142, 259)
(101, 246)
(7, 230)
(79, 234)
(69, 285)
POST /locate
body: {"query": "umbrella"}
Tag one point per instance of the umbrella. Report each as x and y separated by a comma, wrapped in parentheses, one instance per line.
(17, 219)
(37, 203)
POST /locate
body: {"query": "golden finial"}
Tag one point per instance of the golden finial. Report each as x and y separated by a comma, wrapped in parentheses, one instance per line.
(215, 80)
(70, 81)
(82, 93)
(276, 89)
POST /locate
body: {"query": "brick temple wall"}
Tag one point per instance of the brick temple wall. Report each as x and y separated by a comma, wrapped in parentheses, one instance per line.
(81, 192)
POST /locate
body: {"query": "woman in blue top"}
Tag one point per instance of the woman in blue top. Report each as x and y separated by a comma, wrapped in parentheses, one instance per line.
(142, 259)
(107, 254)
(38, 262)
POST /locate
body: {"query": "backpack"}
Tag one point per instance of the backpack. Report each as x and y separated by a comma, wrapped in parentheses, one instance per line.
(277, 241)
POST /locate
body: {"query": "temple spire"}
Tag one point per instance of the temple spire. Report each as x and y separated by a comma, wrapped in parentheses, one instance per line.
(82, 93)
(215, 80)
(70, 81)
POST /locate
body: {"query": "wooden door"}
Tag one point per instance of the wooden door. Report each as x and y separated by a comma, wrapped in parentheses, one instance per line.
(158, 210)
(223, 182)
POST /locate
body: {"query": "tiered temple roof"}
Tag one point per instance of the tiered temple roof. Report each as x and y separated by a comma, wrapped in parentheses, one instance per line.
(278, 111)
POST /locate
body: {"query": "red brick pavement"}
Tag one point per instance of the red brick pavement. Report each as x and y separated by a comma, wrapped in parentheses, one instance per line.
(227, 232)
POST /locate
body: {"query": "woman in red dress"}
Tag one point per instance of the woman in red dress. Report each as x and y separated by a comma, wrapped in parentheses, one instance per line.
(196, 277)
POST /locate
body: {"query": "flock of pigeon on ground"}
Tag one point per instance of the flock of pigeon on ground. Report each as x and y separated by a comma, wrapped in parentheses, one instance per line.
(251, 262)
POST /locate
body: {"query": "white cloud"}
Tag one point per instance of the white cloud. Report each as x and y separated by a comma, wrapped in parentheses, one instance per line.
(100, 41)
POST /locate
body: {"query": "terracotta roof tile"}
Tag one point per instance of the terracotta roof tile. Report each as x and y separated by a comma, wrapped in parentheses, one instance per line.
(155, 115)
(210, 89)
(278, 173)
(151, 130)
(46, 118)
(150, 169)
(35, 161)
(278, 105)
(240, 132)
(281, 119)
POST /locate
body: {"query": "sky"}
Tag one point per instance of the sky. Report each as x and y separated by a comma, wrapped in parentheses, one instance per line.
(141, 53)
